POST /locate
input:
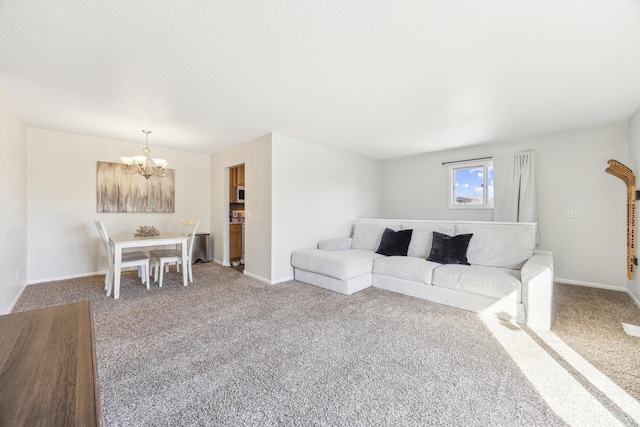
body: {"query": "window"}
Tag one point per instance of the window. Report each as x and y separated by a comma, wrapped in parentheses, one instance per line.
(471, 185)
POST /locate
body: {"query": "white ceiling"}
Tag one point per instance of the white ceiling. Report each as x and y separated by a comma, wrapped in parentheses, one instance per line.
(385, 78)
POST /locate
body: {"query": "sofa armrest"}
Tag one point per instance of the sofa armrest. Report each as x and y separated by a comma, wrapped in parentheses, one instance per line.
(335, 244)
(541, 252)
(537, 290)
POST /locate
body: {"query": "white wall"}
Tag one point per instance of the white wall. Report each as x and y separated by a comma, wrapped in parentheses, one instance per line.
(297, 193)
(63, 241)
(13, 181)
(256, 157)
(570, 174)
(317, 192)
(634, 162)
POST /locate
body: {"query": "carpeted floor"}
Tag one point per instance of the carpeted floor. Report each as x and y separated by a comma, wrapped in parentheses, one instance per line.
(230, 350)
(589, 321)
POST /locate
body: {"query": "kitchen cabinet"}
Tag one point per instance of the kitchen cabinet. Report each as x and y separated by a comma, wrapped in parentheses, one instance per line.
(233, 181)
(236, 177)
(240, 175)
(235, 241)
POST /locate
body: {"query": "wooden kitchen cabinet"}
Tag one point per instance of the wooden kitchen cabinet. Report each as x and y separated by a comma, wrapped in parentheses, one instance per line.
(236, 177)
(240, 175)
(233, 181)
(235, 241)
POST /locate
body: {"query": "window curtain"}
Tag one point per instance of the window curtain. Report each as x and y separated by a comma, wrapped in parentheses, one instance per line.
(515, 188)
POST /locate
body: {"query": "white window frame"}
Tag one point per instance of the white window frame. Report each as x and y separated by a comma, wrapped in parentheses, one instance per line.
(483, 164)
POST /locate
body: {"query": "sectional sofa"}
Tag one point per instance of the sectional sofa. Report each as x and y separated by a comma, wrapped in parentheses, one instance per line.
(498, 271)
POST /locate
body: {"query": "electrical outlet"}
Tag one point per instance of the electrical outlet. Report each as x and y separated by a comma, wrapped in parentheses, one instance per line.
(17, 274)
(572, 214)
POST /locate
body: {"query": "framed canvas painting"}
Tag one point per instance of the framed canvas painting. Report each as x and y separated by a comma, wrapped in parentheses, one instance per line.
(118, 191)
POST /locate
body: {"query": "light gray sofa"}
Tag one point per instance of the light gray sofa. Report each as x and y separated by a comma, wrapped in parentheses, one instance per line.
(507, 276)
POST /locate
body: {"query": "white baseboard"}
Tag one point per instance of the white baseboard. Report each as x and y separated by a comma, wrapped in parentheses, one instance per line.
(255, 276)
(590, 284)
(75, 276)
(15, 301)
(634, 299)
(260, 278)
(267, 281)
(282, 280)
(599, 285)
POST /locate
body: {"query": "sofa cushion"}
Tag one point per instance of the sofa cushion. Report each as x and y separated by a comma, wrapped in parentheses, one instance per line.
(449, 249)
(335, 244)
(343, 264)
(368, 236)
(408, 268)
(474, 279)
(499, 245)
(394, 243)
(422, 236)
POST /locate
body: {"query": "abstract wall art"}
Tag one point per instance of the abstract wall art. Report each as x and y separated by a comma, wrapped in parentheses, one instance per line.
(118, 191)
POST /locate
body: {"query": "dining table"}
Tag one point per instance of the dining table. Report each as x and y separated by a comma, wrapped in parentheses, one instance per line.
(124, 241)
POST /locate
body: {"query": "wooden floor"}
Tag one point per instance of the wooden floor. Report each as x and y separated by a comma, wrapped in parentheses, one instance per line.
(48, 374)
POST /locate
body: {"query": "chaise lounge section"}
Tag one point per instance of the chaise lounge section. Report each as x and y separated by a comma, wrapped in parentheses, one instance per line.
(505, 276)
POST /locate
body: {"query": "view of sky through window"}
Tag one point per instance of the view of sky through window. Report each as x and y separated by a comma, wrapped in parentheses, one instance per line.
(470, 185)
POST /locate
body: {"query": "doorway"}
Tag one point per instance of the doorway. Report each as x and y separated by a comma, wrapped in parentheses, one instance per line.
(236, 217)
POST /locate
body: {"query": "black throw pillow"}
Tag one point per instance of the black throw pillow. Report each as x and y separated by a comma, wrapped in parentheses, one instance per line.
(394, 242)
(449, 249)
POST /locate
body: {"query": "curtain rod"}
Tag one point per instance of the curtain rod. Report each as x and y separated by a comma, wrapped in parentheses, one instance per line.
(468, 160)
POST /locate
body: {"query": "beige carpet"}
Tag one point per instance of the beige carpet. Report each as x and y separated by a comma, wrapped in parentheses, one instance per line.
(590, 320)
(229, 350)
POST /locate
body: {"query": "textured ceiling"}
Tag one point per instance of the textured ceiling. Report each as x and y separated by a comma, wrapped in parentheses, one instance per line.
(385, 78)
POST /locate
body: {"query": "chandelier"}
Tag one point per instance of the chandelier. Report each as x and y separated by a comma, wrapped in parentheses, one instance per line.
(143, 165)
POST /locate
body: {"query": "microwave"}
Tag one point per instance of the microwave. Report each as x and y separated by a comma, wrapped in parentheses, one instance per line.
(240, 194)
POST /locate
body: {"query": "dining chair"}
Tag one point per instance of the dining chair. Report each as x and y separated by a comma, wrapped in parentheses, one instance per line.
(162, 258)
(129, 259)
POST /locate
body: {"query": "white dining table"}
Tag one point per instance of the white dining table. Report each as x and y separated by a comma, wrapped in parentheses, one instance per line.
(122, 241)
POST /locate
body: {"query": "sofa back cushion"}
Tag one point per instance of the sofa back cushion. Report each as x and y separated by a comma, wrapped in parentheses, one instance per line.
(498, 244)
(422, 236)
(368, 236)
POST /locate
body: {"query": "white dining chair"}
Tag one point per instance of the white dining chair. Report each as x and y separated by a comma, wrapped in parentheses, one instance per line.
(129, 259)
(162, 258)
